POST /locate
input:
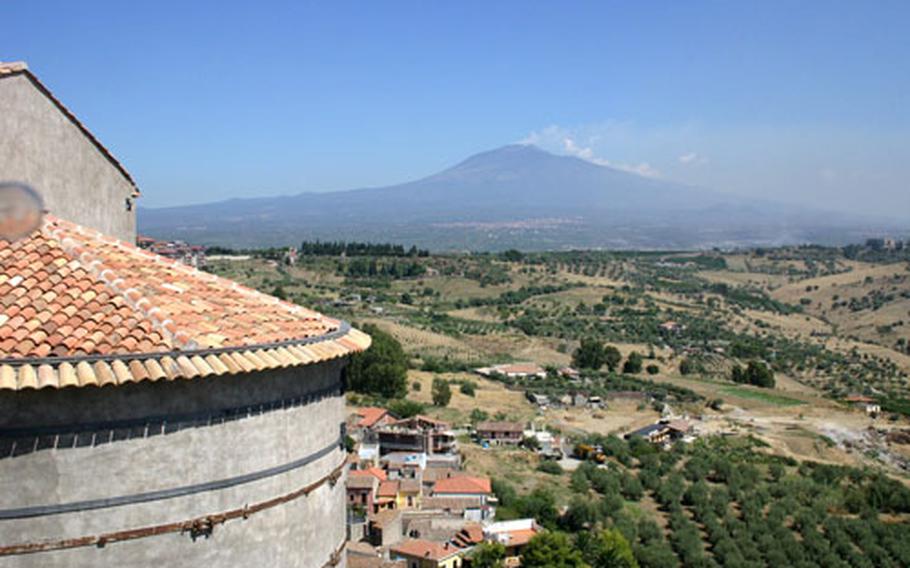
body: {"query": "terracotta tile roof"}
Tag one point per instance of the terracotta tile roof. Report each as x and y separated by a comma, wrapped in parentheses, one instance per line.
(376, 472)
(859, 398)
(679, 426)
(388, 488)
(463, 485)
(8, 69)
(469, 535)
(79, 308)
(520, 537)
(362, 482)
(433, 474)
(452, 504)
(426, 549)
(370, 415)
(410, 486)
(385, 517)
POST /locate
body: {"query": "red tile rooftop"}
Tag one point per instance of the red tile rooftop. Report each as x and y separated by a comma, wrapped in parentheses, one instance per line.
(73, 300)
(466, 485)
(370, 415)
(429, 550)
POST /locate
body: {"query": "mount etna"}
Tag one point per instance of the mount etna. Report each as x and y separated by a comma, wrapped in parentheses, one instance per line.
(517, 196)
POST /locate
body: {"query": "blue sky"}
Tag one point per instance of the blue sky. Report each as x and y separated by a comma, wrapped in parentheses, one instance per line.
(799, 101)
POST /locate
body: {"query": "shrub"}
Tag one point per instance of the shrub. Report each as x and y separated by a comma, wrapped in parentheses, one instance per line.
(442, 393)
(551, 467)
(686, 367)
(468, 388)
(652, 369)
(478, 415)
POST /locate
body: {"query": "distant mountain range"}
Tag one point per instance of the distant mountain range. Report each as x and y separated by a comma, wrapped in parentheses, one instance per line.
(516, 196)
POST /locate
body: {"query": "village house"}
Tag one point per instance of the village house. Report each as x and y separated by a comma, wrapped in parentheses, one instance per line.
(664, 432)
(469, 507)
(365, 555)
(363, 487)
(514, 371)
(417, 434)
(190, 255)
(370, 417)
(427, 554)
(513, 535)
(656, 434)
(409, 493)
(385, 527)
(541, 400)
(549, 445)
(387, 495)
(362, 490)
(469, 536)
(497, 433)
(467, 486)
(368, 454)
(867, 404)
(404, 465)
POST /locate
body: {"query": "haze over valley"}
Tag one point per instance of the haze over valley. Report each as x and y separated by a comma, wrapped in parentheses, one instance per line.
(516, 196)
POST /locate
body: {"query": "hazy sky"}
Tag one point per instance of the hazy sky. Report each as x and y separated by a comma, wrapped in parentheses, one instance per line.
(801, 101)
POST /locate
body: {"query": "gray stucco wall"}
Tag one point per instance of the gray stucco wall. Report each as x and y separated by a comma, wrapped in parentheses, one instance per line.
(41, 146)
(58, 468)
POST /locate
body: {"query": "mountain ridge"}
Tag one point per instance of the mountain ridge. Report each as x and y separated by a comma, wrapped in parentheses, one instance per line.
(501, 189)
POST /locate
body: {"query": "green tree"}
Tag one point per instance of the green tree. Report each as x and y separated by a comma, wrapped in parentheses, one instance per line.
(612, 357)
(607, 549)
(488, 555)
(442, 392)
(755, 373)
(403, 408)
(551, 550)
(581, 514)
(589, 355)
(686, 367)
(652, 369)
(382, 369)
(539, 504)
(468, 388)
(633, 363)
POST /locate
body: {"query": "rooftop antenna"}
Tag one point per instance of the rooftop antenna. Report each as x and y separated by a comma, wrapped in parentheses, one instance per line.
(21, 210)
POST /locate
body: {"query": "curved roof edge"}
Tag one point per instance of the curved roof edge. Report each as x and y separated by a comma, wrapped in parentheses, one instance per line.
(58, 373)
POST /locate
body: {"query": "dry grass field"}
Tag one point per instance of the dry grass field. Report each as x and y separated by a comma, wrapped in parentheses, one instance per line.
(795, 417)
(490, 396)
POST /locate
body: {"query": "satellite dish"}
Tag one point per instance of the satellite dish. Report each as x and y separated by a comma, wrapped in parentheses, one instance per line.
(21, 210)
